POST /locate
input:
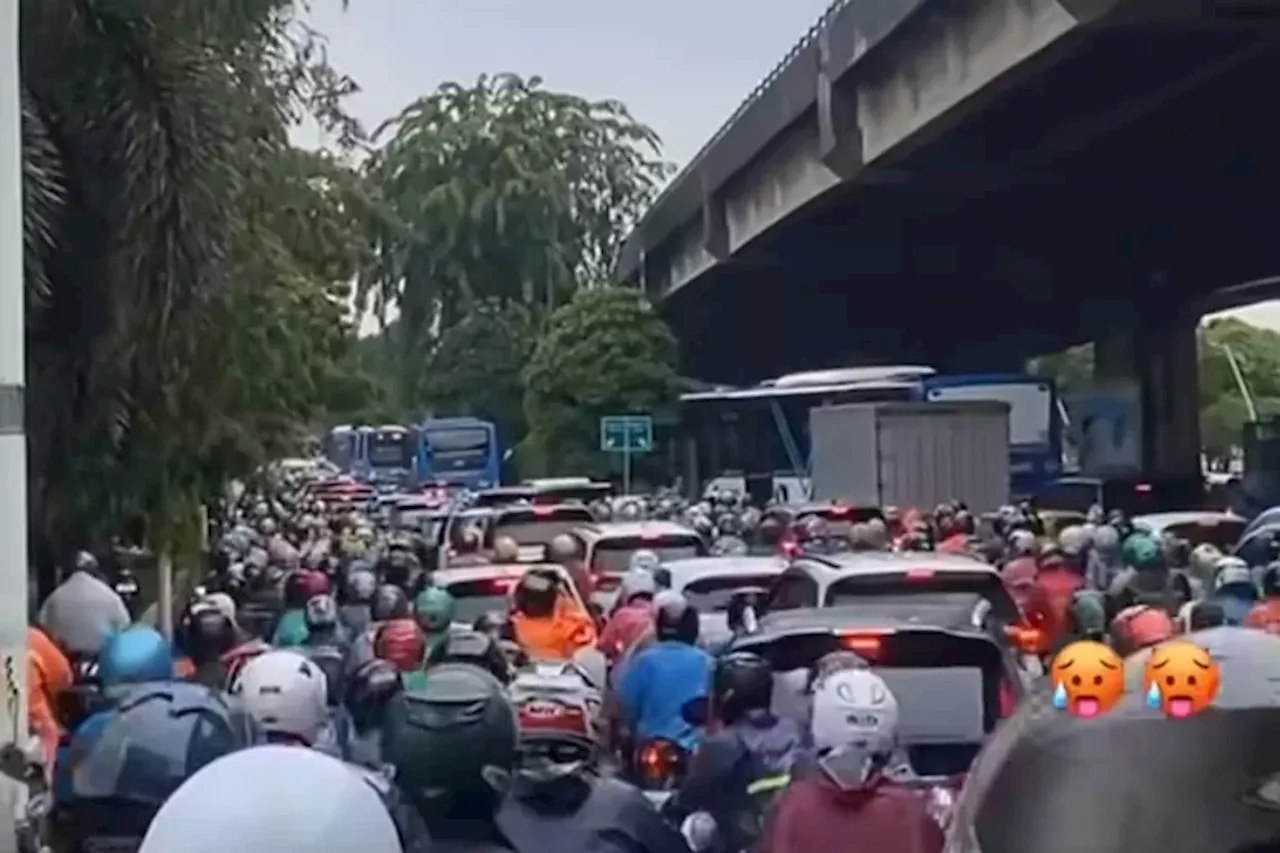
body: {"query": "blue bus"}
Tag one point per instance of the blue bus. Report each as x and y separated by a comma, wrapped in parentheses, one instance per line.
(459, 451)
(757, 439)
(385, 454)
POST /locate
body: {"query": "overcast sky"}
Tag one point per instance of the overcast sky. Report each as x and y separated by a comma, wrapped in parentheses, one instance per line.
(682, 66)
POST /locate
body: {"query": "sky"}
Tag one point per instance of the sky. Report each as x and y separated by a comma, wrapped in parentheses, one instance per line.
(681, 66)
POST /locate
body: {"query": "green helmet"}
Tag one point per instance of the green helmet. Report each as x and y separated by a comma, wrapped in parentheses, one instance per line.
(434, 608)
(1142, 551)
(1089, 612)
(453, 743)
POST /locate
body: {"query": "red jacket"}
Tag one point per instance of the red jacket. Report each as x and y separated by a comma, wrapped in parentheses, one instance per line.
(1050, 601)
(815, 814)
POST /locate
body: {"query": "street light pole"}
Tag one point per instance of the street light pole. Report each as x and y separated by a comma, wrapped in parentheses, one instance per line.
(13, 440)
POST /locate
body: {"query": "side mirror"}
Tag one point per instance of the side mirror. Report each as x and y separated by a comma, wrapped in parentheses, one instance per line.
(1028, 640)
(696, 712)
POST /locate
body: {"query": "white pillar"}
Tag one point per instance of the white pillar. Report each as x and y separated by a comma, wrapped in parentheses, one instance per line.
(13, 442)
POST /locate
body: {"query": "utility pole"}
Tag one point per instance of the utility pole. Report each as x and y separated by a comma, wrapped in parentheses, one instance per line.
(13, 440)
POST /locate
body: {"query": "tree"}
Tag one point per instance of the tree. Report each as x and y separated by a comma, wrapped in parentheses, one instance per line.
(503, 190)
(184, 261)
(475, 368)
(606, 352)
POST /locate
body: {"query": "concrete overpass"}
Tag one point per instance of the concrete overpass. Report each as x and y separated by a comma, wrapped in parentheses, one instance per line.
(968, 183)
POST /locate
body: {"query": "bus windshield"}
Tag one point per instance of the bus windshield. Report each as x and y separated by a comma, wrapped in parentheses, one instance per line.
(459, 448)
(340, 448)
(390, 448)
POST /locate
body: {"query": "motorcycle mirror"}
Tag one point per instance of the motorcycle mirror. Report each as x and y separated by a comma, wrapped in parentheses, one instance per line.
(696, 711)
(699, 831)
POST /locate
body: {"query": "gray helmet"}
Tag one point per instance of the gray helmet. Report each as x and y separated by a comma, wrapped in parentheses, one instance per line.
(636, 582)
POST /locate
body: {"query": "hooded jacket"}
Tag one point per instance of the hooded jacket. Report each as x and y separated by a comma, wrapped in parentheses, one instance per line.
(824, 809)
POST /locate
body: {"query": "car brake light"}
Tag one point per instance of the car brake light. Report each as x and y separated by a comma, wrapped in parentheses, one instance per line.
(1143, 488)
(839, 511)
(650, 536)
(920, 574)
(543, 510)
(865, 645)
(501, 584)
(790, 548)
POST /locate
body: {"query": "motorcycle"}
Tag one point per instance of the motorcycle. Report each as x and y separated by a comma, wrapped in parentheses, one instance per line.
(659, 766)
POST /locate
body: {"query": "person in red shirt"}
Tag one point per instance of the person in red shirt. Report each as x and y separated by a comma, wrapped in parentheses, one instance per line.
(1049, 602)
(632, 618)
(856, 792)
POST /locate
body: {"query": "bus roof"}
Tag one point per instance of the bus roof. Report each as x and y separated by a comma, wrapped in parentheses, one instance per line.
(841, 375)
(766, 392)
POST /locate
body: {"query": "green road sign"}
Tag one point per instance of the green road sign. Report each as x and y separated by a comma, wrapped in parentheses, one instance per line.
(626, 434)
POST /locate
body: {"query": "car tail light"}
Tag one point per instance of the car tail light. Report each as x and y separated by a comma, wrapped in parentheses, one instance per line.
(920, 574)
(501, 585)
(839, 511)
(543, 510)
(1143, 488)
(866, 645)
(650, 536)
(790, 548)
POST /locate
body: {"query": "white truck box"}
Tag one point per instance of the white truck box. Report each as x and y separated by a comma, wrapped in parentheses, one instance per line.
(911, 454)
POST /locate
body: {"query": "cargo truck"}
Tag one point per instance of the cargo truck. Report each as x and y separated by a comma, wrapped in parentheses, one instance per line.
(911, 454)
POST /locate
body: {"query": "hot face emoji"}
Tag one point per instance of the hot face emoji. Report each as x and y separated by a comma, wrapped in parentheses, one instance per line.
(1088, 679)
(1182, 679)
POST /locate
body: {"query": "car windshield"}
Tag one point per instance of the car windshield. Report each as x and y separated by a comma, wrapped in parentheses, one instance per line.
(712, 594)
(1222, 533)
(612, 555)
(926, 582)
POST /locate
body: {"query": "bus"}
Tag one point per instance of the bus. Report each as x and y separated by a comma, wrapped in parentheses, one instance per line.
(385, 453)
(339, 447)
(459, 451)
(756, 439)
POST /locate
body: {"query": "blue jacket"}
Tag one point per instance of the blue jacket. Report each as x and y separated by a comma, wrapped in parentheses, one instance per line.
(656, 683)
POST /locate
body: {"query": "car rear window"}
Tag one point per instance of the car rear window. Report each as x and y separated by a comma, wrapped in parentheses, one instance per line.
(612, 555)
(1223, 534)
(902, 585)
(473, 598)
(712, 594)
(538, 526)
(947, 686)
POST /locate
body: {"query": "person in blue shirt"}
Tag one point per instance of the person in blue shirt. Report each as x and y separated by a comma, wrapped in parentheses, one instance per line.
(659, 681)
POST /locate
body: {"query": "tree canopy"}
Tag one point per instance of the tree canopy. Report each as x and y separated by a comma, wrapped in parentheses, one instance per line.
(606, 352)
(1223, 407)
(503, 191)
(186, 266)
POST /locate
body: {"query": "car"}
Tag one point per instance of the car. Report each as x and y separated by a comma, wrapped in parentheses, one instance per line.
(1219, 529)
(477, 590)
(709, 583)
(534, 526)
(953, 681)
(607, 547)
(424, 517)
(814, 580)
(503, 496)
(556, 490)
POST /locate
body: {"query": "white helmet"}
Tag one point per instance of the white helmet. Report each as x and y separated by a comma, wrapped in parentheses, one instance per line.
(556, 705)
(285, 694)
(854, 707)
(644, 560)
(235, 803)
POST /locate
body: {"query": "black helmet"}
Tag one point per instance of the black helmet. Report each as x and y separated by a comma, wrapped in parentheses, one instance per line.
(494, 623)
(390, 602)
(674, 618)
(206, 633)
(453, 744)
(741, 682)
(368, 691)
(535, 594)
(472, 647)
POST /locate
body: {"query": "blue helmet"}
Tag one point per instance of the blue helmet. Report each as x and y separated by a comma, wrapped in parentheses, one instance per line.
(135, 655)
(123, 768)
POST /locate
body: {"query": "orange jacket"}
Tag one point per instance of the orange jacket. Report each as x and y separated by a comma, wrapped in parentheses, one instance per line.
(558, 637)
(1265, 615)
(48, 677)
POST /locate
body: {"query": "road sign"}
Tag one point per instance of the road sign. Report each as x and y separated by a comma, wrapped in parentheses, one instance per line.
(626, 434)
(1108, 426)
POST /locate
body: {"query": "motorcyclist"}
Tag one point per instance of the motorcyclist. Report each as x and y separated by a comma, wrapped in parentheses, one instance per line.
(368, 692)
(659, 681)
(1057, 582)
(545, 623)
(356, 609)
(207, 637)
(1234, 589)
(239, 803)
(1140, 626)
(401, 643)
(83, 611)
(559, 800)
(471, 647)
(162, 733)
(852, 794)
(389, 602)
(506, 550)
(454, 747)
(1266, 614)
(632, 616)
(299, 588)
(1086, 617)
(285, 693)
(1104, 561)
(434, 609)
(1146, 578)
(745, 761)
(49, 676)
(567, 551)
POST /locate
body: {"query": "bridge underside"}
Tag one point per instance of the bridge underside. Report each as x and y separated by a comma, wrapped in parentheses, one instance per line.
(1142, 168)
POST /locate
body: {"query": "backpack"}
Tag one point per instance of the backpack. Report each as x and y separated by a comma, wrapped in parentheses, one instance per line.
(764, 787)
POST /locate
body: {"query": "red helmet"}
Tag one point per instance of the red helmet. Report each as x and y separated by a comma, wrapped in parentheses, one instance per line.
(401, 643)
(313, 583)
